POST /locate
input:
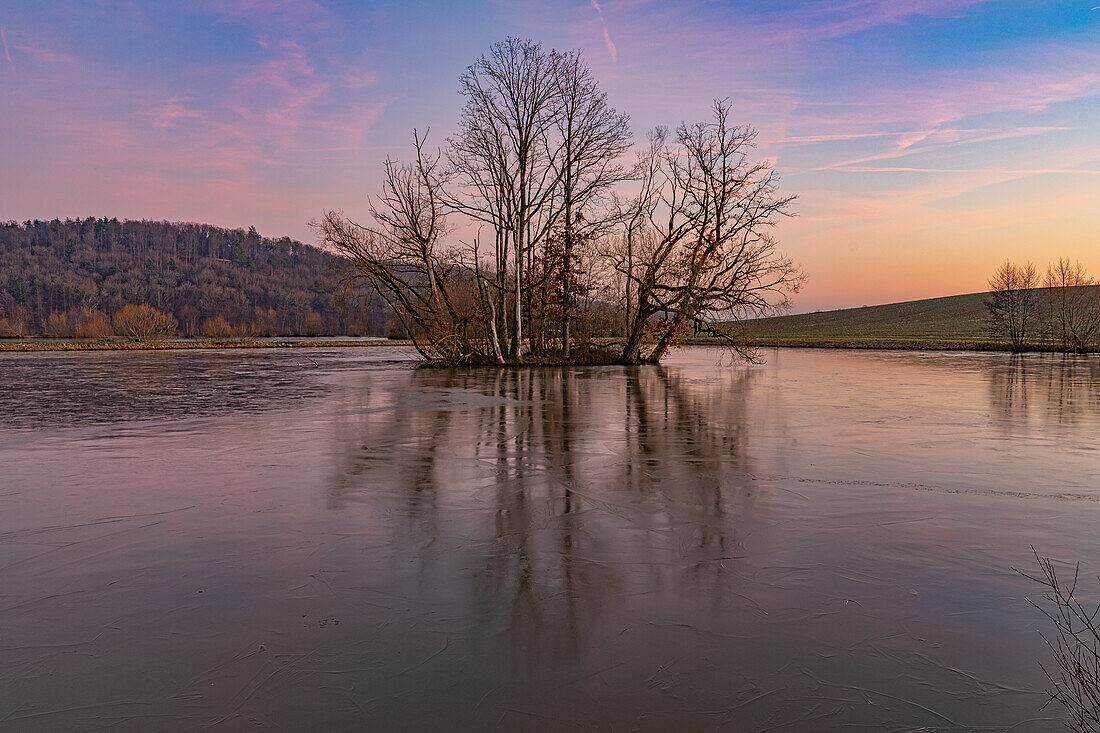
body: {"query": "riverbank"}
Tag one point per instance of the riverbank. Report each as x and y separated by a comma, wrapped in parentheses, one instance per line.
(196, 344)
(796, 342)
(869, 342)
(882, 343)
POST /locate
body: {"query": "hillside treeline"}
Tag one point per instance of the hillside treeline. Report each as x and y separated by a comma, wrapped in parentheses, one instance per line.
(56, 276)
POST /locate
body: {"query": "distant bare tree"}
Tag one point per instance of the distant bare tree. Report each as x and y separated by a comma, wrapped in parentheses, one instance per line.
(712, 258)
(1072, 305)
(1012, 303)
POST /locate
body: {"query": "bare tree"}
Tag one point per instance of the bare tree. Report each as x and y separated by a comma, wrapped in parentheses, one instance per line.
(410, 215)
(1012, 303)
(713, 258)
(501, 155)
(634, 216)
(1072, 306)
(593, 138)
(400, 257)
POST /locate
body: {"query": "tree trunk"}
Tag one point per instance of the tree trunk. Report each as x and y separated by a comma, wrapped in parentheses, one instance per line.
(662, 344)
(632, 349)
(517, 337)
(629, 273)
(567, 251)
(494, 342)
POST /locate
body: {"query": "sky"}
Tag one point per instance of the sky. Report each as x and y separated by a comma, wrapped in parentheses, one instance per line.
(927, 140)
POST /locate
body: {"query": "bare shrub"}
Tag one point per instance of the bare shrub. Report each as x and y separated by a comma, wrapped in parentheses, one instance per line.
(244, 330)
(265, 322)
(1075, 645)
(57, 326)
(144, 323)
(216, 328)
(90, 324)
(13, 325)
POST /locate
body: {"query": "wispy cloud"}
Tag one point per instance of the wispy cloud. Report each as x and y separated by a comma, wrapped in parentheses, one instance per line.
(611, 50)
(982, 171)
(837, 20)
(271, 133)
(922, 142)
(172, 111)
(4, 43)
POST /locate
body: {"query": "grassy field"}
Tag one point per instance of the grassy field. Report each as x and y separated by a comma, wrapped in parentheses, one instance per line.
(954, 322)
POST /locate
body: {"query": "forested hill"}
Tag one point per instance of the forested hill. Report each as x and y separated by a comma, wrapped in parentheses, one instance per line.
(193, 271)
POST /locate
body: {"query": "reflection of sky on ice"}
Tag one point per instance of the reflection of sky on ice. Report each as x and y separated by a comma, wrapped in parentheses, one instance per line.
(823, 540)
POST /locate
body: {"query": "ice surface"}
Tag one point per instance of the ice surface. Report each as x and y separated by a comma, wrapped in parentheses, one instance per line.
(331, 540)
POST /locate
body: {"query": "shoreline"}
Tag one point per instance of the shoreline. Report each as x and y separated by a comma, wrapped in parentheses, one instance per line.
(869, 342)
(33, 346)
(893, 344)
(820, 342)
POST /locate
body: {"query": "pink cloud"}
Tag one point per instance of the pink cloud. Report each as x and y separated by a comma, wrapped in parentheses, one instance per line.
(172, 111)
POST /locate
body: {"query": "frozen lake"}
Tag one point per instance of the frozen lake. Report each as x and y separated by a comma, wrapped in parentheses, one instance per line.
(327, 539)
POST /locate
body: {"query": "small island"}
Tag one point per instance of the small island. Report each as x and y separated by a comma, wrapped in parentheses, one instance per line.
(569, 256)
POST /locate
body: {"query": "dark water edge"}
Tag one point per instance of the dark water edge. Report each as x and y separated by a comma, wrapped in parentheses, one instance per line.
(334, 540)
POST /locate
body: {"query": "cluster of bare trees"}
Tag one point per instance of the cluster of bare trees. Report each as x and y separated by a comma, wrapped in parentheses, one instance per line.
(1058, 311)
(575, 236)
